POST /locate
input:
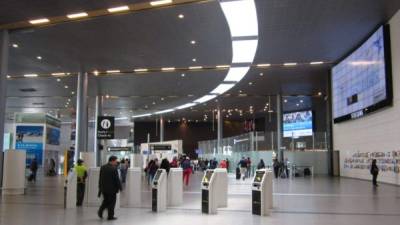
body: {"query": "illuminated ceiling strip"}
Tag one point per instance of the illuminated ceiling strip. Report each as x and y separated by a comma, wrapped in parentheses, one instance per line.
(187, 105)
(142, 115)
(242, 20)
(160, 2)
(118, 9)
(222, 88)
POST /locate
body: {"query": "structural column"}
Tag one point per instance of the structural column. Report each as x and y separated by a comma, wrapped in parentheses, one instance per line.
(279, 127)
(162, 128)
(4, 45)
(81, 115)
(219, 131)
(97, 142)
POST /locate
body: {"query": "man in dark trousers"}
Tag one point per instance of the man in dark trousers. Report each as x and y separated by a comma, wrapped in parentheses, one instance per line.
(109, 186)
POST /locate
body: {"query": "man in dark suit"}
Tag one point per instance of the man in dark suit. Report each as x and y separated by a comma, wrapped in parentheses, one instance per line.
(109, 186)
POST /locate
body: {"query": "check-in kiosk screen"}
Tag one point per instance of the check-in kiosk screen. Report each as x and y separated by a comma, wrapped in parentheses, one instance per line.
(207, 177)
(259, 176)
(157, 176)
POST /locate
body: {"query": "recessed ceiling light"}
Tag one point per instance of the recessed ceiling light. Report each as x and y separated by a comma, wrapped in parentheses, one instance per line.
(222, 66)
(182, 75)
(58, 74)
(141, 70)
(194, 59)
(72, 92)
(162, 99)
(39, 57)
(193, 42)
(261, 74)
(316, 63)
(118, 9)
(96, 73)
(290, 64)
(250, 83)
(168, 69)
(15, 45)
(195, 67)
(319, 93)
(264, 65)
(66, 86)
(181, 16)
(113, 71)
(8, 76)
(31, 75)
(297, 104)
(77, 15)
(58, 79)
(39, 21)
(285, 100)
(107, 96)
(160, 2)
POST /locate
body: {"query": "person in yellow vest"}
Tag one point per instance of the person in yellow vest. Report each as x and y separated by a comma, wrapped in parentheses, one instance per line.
(81, 173)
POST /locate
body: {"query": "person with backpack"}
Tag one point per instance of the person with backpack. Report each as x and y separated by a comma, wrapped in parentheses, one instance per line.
(187, 170)
(261, 165)
(243, 167)
(33, 168)
(374, 172)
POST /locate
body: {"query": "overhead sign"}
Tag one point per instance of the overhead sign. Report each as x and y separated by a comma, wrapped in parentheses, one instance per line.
(105, 127)
(119, 149)
(160, 147)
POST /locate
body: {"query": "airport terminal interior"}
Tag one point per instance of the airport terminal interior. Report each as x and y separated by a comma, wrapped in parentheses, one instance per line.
(200, 112)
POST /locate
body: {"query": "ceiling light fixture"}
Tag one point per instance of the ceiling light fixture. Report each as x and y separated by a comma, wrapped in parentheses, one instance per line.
(39, 57)
(195, 67)
(182, 75)
(316, 63)
(66, 86)
(290, 64)
(186, 106)
(113, 71)
(181, 16)
(31, 75)
(168, 69)
(193, 42)
(8, 76)
(235, 74)
(264, 65)
(244, 51)
(222, 88)
(141, 70)
(77, 15)
(142, 115)
(194, 59)
(241, 17)
(96, 73)
(261, 74)
(15, 45)
(205, 98)
(58, 74)
(160, 2)
(222, 66)
(39, 21)
(118, 9)
(164, 111)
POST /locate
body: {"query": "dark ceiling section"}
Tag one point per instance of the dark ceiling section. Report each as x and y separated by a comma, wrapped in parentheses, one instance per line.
(21, 10)
(316, 30)
(156, 38)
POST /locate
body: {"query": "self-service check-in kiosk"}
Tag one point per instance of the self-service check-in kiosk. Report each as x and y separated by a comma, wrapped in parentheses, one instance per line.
(262, 192)
(208, 193)
(175, 187)
(159, 191)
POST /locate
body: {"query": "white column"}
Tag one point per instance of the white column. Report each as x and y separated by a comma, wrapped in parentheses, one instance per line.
(81, 115)
(99, 112)
(4, 45)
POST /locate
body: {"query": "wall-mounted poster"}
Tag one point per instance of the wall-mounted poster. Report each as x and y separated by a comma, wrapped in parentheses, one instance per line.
(52, 136)
(30, 139)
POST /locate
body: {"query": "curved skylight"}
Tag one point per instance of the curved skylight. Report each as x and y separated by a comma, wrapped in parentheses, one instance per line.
(241, 17)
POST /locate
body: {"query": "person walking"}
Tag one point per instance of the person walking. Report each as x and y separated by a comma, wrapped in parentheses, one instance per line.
(187, 170)
(81, 174)
(33, 168)
(243, 167)
(261, 165)
(165, 165)
(153, 167)
(374, 172)
(248, 167)
(109, 186)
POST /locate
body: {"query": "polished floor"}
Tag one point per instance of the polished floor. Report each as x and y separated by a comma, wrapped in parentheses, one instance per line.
(318, 200)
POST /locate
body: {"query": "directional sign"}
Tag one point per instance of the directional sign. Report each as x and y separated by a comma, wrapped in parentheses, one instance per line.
(105, 127)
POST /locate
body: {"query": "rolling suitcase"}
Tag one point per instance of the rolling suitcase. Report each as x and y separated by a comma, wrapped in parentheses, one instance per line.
(238, 175)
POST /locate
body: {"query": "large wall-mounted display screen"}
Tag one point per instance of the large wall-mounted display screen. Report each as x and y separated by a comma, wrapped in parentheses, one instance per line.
(297, 124)
(361, 83)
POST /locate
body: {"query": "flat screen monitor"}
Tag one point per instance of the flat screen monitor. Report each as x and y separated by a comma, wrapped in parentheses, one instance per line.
(157, 176)
(259, 176)
(362, 82)
(207, 176)
(298, 124)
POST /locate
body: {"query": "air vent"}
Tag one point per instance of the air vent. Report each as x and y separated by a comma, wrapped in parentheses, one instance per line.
(38, 103)
(28, 89)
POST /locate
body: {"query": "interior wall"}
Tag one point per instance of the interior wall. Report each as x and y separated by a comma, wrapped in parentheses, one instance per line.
(375, 135)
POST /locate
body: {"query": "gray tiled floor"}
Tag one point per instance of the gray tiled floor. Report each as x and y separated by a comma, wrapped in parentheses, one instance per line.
(319, 200)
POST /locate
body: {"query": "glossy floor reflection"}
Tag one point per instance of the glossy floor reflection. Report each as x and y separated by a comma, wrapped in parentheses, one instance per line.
(319, 200)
